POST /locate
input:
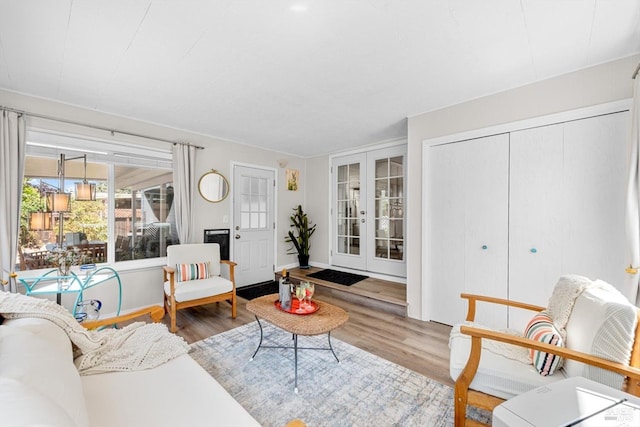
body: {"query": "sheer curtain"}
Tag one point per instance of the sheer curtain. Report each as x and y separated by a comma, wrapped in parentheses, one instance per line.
(632, 284)
(12, 152)
(184, 182)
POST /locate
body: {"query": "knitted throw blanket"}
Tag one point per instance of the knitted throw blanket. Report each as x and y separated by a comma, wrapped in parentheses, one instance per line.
(135, 347)
(563, 298)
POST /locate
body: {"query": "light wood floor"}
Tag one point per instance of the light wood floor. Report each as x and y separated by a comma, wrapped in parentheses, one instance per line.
(419, 346)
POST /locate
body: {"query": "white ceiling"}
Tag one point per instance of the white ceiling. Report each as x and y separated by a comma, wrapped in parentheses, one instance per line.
(339, 74)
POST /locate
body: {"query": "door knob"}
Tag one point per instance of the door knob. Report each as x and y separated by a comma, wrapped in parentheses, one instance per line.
(237, 227)
(533, 250)
(484, 247)
(362, 212)
(362, 220)
(237, 236)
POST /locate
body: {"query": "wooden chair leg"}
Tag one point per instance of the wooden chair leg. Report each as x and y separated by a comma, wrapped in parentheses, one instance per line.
(233, 307)
(173, 314)
(460, 406)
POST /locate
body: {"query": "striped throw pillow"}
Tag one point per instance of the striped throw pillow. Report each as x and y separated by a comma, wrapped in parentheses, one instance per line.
(541, 328)
(195, 271)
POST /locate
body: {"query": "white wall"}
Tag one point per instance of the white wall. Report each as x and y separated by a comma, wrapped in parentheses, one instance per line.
(288, 200)
(597, 85)
(143, 287)
(317, 191)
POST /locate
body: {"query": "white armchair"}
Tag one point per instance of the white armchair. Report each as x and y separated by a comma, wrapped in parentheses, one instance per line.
(598, 338)
(195, 275)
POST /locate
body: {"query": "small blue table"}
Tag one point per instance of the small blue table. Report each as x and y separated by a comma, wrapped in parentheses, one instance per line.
(52, 283)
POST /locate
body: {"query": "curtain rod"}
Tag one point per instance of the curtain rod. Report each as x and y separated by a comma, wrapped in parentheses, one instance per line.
(635, 73)
(113, 132)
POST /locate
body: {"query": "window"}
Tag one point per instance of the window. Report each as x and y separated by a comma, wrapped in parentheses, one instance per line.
(131, 219)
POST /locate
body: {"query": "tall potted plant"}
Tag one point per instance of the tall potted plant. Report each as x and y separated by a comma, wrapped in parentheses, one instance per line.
(300, 235)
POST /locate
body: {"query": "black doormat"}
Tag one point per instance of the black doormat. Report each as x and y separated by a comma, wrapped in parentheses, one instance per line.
(257, 290)
(339, 277)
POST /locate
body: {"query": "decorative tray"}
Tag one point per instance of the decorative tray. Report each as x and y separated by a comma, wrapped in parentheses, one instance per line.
(295, 304)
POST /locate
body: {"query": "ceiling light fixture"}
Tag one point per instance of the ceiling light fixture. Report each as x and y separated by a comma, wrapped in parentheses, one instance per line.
(298, 7)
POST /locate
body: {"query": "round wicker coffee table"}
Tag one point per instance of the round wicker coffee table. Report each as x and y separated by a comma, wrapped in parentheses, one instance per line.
(326, 319)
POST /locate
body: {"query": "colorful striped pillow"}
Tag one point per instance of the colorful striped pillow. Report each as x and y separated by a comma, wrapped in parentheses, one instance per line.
(541, 328)
(195, 271)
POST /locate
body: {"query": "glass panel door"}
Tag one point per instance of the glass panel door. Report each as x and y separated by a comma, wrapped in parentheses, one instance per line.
(349, 221)
(368, 188)
(348, 216)
(389, 208)
(386, 205)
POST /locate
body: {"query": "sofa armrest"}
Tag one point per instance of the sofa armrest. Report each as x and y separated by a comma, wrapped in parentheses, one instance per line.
(477, 334)
(156, 312)
(472, 299)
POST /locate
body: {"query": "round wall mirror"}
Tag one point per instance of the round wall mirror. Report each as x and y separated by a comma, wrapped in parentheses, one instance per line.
(213, 186)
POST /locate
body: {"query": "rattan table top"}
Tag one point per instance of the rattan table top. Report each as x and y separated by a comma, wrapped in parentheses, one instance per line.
(327, 318)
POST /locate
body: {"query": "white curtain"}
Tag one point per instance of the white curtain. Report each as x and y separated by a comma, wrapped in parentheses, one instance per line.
(12, 153)
(631, 286)
(184, 182)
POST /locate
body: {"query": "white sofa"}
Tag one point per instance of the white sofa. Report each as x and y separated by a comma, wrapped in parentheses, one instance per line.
(40, 385)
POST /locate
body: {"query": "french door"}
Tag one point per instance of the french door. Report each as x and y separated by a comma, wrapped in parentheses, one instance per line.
(368, 215)
(253, 221)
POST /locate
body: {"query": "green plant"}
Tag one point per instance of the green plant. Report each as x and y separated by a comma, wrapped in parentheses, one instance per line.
(303, 232)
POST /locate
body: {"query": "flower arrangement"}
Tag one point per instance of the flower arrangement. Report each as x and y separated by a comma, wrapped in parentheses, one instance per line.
(63, 259)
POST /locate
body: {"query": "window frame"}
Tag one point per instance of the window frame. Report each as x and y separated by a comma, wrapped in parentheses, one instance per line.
(111, 152)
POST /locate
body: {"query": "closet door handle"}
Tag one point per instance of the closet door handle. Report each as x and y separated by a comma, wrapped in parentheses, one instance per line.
(485, 247)
(533, 250)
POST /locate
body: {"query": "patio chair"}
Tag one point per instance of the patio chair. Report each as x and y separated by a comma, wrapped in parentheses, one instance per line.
(195, 275)
(589, 329)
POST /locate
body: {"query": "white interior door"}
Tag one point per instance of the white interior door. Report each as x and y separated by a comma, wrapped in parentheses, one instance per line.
(566, 206)
(253, 224)
(386, 208)
(467, 184)
(595, 159)
(368, 211)
(536, 215)
(349, 212)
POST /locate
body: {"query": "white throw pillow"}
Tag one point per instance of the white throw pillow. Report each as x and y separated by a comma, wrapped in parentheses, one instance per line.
(602, 323)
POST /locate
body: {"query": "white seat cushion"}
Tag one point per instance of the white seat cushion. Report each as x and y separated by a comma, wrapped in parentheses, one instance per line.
(38, 354)
(22, 405)
(497, 375)
(194, 289)
(177, 393)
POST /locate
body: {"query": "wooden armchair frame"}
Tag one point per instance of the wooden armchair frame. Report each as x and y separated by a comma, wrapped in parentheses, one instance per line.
(172, 306)
(464, 396)
(156, 312)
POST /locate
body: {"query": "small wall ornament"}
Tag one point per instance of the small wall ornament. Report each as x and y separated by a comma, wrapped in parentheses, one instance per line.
(293, 177)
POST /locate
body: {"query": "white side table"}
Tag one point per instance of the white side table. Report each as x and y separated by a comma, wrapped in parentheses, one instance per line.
(573, 401)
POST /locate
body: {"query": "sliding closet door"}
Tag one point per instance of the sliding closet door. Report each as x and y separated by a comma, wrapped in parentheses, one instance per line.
(536, 217)
(595, 165)
(566, 212)
(467, 226)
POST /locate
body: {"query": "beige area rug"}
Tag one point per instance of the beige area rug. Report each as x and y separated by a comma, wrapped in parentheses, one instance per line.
(361, 390)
